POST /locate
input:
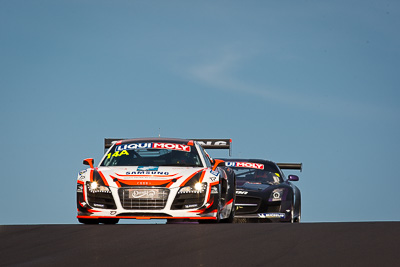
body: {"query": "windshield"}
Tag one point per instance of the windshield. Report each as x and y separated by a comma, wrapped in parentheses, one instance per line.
(257, 173)
(152, 154)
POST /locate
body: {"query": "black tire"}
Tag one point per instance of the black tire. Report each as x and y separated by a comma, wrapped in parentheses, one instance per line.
(109, 221)
(88, 221)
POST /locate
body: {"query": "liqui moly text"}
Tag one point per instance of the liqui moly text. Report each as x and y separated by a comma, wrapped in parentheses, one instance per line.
(180, 147)
(245, 165)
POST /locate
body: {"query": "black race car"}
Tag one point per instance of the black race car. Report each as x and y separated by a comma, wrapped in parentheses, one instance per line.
(263, 193)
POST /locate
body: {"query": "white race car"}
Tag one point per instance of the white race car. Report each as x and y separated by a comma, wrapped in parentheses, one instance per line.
(157, 178)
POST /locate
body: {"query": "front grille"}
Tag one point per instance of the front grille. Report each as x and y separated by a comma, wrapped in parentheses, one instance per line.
(143, 198)
(247, 204)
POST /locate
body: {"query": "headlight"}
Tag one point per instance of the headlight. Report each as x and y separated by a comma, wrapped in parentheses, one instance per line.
(198, 188)
(95, 187)
(276, 195)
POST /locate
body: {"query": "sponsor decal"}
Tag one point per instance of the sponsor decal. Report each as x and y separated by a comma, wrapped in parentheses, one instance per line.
(216, 173)
(241, 192)
(142, 194)
(213, 143)
(147, 194)
(82, 172)
(143, 183)
(180, 147)
(118, 154)
(147, 173)
(244, 165)
(147, 168)
(271, 215)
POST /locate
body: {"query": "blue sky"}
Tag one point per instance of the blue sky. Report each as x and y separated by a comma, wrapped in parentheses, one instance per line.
(290, 81)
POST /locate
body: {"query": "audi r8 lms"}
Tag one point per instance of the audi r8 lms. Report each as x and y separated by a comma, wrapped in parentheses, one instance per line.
(263, 193)
(155, 178)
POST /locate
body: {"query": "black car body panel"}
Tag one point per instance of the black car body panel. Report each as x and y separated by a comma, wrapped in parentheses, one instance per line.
(263, 192)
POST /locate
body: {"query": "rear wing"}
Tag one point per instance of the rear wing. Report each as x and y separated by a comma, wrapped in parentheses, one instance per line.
(205, 143)
(108, 142)
(215, 144)
(290, 166)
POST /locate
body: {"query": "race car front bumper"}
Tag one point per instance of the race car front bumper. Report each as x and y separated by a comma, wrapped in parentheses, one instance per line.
(146, 203)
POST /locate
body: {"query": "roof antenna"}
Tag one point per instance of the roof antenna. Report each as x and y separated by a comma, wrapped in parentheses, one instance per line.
(159, 132)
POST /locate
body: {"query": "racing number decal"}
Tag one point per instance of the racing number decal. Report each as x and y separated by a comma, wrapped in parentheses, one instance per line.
(118, 154)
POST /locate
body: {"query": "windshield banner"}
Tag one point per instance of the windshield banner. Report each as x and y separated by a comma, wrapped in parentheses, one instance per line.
(244, 165)
(180, 147)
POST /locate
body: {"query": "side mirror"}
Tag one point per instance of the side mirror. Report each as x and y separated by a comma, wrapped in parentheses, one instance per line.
(218, 162)
(293, 178)
(88, 162)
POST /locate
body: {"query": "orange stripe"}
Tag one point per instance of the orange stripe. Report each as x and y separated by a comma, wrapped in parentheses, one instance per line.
(202, 176)
(143, 175)
(209, 193)
(144, 182)
(210, 204)
(83, 192)
(209, 190)
(81, 182)
(89, 210)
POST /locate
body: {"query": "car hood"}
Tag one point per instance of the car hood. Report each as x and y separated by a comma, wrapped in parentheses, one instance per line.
(253, 186)
(146, 176)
